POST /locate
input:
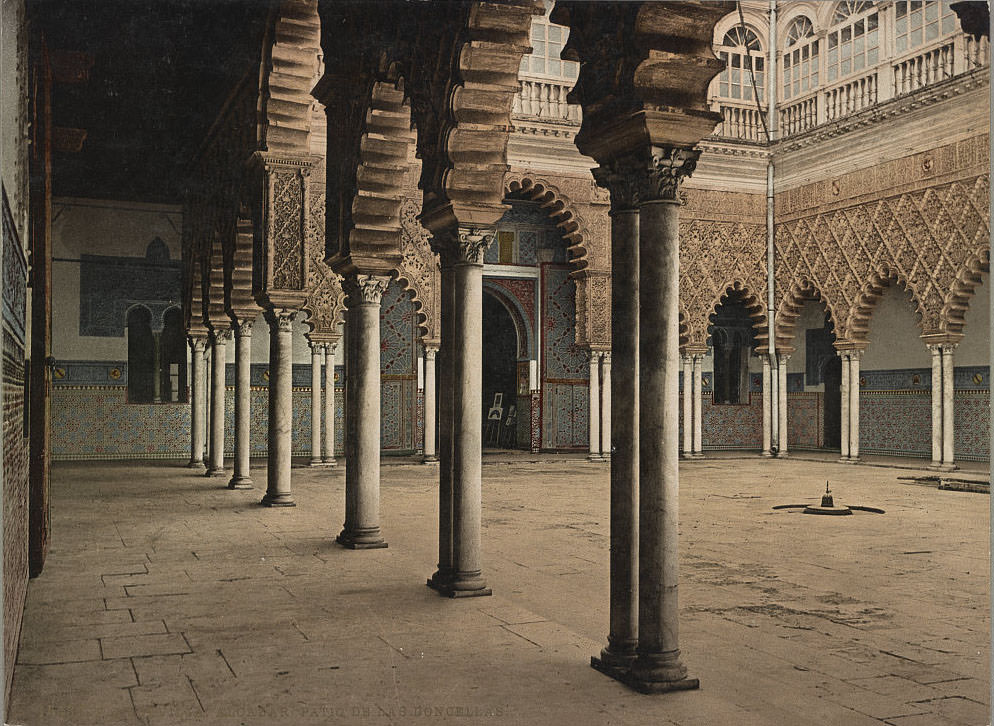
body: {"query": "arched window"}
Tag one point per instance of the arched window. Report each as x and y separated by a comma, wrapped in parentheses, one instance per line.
(547, 41)
(172, 351)
(141, 355)
(854, 41)
(800, 61)
(919, 23)
(743, 58)
(732, 341)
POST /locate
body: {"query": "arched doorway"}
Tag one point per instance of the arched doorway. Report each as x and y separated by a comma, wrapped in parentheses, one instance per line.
(141, 355)
(500, 356)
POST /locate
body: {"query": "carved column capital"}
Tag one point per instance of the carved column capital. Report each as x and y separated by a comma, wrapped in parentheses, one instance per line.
(620, 184)
(430, 352)
(221, 336)
(198, 344)
(282, 320)
(473, 243)
(364, 289)
(330, 348)
(606, 358)
(244, 329)
(667, 168)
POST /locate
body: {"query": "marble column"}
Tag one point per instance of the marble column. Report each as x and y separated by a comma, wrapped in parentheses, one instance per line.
(844, 409)
(688, 406)
(443, 575)
(198, 401)
(605, 406)
(658, 666)
(328, 453)
(767, 404)
(697, 381)
(854, 405)
(241, 478)
(936, 351)
(622, 639)
(782, 409)
(430, 455)
(593, 407)
(280, 431)
(316, 350)
(218, 385)
(948, 421)
(467, 431)
(362, 428)
(157, 367)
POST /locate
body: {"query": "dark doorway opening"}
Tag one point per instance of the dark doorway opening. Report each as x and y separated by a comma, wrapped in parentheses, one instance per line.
(141, 355)
(833, 403)
(500, 356)
(732, 341)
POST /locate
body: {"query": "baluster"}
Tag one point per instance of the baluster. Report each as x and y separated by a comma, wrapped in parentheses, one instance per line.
(516, 103)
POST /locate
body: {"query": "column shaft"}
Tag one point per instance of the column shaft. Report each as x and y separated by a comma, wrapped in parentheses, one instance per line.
(218, 360)
(697, 380)
(328, 453)
(658, 659)
(767, 405)
(467, 443)
(605, 406)
(593, 407)
(316, 404)
(198, 407)
(280, 431)
(442, 576)
(241, 478)
(363, 426)
(430, 455)
(844, 409)
(624, 554)
(688, 406)
(157, 367)
(782, 411)
(947, 408)
(854, 406)
(936, 351)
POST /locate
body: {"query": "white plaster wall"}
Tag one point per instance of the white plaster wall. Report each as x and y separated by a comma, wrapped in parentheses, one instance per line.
(894, 335)
(973, 350)
(97, 227)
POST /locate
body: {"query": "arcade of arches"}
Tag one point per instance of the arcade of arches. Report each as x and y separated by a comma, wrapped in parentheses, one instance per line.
(421, 231)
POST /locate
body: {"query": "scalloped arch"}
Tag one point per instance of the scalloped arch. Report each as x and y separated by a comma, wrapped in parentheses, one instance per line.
(559, 208)
(800, 292)
(957, 302)
(753, 304)
(857, 325)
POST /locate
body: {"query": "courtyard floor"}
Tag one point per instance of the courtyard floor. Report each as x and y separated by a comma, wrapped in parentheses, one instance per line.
(170, 600)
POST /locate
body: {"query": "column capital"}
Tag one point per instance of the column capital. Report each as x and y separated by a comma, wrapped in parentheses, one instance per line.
(430, 352)
(649, 175)
(697, 357)
(330, 347)
(593, 356)
(364, 289)
(473, 243)
(282, 319)
(606, 358)
(198, 343)
(315, 346)
(244, 329)
(220, 336)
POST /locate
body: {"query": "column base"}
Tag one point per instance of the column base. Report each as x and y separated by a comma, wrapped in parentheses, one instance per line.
(451, 585)
(213, 472)
(615, 661)
(852, 460)
(645, 686)
(329, 462)
(697, 455)
(686, 455)
(361, 540)
(766, 455)
(944, 467)
(430, 460)
(240, 482)
(659, 673)
(783, 455)
(316, 462)
(595, 457)
(278, 500)
(196, 464)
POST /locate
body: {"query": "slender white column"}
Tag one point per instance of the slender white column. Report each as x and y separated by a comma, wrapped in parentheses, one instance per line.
(328, 452)
(936, 351)
(198, 401)
(697, 385)
(624, 555)
(844, 409)
(316, 349)
(430, 455)
(767, 407)
(688, 407)
(606, 406)
(854, 357)
(362, 462)
(658, 665)
(467, 433)
(280, 431)
(218, 361)
(243, 406)
(593, 407)
(948, 421)
(782, 398)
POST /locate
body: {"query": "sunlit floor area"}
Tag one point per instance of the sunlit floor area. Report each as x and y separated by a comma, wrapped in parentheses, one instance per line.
(169, 599)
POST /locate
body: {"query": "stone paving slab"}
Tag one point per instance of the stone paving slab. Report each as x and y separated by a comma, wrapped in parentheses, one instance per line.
(191, 604)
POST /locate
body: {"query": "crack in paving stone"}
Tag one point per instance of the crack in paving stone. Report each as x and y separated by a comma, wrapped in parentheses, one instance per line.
(194, 689)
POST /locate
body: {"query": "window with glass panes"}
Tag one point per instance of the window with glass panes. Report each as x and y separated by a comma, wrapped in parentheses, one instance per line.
(854, 41)
(800, 62)
(547, 41)
(743, 58)
(917, 23)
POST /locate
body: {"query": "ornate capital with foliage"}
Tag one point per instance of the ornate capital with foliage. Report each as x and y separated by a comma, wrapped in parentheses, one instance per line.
(244, 329)
(198, 344)
(280, 320)
(364, 289)
(646, 176)
(473, 243)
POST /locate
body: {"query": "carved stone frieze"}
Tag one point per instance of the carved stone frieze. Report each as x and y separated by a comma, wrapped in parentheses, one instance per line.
(419, 269)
